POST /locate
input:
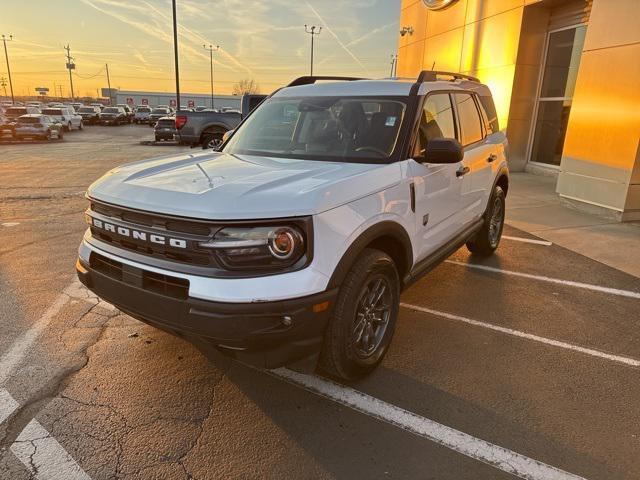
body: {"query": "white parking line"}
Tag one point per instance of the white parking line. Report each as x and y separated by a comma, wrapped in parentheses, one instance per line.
(569, 283)
(44, 456)
(18, 350)
(7, 405)
(529, 336)
(528, 240)
(478, 449)
(10, 224)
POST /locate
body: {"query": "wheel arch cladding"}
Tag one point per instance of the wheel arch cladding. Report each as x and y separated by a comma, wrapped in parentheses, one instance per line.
(503, 181)
(389, 237)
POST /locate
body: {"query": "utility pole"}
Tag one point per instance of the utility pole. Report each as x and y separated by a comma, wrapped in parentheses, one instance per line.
(175, 52)
(313, 31)
(394, 65)
(70, 66)
(106, 65)
(3, 83)
(6, 56)
(211, 50)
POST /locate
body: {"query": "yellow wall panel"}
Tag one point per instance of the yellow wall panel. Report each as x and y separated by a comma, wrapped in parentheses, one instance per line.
(410, 60)
(444, 20)
(443, 51)
(414, 16)
(479, 9)
(613, 22)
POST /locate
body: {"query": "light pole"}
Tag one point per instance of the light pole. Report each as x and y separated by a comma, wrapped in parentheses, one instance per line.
(394, 63)
(6, 56)
(70, 66)
(211, 49)
(313, 31)
(175, 52)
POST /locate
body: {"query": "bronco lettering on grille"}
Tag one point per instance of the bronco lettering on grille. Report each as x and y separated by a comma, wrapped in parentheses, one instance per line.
(138, 235)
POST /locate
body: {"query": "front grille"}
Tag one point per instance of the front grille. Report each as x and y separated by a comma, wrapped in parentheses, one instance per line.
(162, 284)
(193, 232)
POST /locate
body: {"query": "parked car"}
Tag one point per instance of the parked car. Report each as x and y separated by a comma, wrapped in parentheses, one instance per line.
(165, 129)
(38, 126)
(158, 113)
(207, 127)
(128, 110)
(66, 116)
(90, 114)
(99, 105)
(113, 116)
(296, 239)
(142, 114)
(77, 106)
(6, 126)
(12, 113)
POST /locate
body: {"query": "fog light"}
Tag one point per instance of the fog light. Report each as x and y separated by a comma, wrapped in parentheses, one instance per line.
(287, 321)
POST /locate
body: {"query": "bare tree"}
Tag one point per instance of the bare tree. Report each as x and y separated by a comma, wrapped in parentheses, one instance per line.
(247, 86)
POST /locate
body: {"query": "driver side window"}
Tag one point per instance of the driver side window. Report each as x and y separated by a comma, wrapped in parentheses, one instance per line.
(436, 121)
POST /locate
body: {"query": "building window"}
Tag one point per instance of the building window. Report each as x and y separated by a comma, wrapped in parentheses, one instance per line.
(564, 49)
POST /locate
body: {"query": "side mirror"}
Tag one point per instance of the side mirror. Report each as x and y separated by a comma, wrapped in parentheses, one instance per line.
(443, 150)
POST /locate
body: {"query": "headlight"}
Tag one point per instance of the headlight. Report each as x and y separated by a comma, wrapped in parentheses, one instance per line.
(264, 247)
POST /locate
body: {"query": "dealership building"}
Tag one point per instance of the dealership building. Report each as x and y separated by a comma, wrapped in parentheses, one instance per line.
(565, 75)
(154, 99)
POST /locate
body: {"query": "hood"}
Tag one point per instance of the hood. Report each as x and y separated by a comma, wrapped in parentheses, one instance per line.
(220, 186)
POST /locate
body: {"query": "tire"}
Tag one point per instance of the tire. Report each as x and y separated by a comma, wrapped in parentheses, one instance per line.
(353, 344)
(158, 139)
(488, 237)
(212, 139)
(60, 135)
(81, 126)
(67, 127)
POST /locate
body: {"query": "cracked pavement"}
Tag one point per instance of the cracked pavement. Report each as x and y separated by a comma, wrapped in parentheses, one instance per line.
(127, 401)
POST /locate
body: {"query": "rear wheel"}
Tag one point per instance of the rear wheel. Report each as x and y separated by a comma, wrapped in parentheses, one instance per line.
(364, 317)
(81, 126)
(488, 237)
(68, 127)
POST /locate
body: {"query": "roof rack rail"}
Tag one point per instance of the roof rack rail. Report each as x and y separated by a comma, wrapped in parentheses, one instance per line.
(432, 76)
(308, 80)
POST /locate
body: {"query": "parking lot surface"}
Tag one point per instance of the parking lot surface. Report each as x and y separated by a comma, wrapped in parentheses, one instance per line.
(526, 364)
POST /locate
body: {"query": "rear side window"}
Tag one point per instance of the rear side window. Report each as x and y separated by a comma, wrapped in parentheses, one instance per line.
(489, 109)
(470, 122)
(436, 122)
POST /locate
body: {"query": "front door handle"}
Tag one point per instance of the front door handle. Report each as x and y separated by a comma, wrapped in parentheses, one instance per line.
(462, 171)
(492, 158)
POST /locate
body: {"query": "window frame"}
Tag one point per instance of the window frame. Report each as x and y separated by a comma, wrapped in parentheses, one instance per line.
(421, 106)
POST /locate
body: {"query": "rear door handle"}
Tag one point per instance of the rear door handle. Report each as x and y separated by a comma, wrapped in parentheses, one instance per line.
(462, 171)
(492, 158)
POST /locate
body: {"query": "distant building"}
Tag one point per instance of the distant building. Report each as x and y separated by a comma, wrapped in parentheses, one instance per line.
(153, 99)
(565, 77)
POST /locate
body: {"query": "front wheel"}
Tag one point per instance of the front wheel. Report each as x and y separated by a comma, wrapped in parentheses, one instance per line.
(68, 127)
(81, 126)
(488, 237)
(364, 317)
(212, 140)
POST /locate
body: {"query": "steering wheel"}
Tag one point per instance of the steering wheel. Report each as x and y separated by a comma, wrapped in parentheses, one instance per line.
(382, 153)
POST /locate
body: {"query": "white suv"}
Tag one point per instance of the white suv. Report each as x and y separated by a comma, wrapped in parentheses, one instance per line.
(295, 240)
(67, 116)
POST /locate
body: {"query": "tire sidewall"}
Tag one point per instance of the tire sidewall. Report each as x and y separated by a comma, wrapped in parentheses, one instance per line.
(347, 308)
(498, 193)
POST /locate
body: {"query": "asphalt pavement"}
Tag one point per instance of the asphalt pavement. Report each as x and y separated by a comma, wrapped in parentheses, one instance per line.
(526, 364)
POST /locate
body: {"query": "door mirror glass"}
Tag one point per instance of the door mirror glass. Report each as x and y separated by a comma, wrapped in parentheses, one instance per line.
(442, 150)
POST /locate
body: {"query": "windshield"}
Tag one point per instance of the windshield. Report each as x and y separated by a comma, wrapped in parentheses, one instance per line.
(87, 110)
(143, 110)
(161, 110)
(111, 110)
(356, 129)
(16, 111)
(52, 111)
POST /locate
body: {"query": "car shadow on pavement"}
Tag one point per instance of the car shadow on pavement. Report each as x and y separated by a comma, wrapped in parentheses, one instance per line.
(345, 442)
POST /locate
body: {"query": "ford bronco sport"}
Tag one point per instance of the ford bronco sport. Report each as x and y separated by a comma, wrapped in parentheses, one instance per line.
(296, 238)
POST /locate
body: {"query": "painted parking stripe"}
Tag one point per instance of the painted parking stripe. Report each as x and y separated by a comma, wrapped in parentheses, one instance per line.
(478, 449)
(546, 243)
(542, 278)
(44, 457)
(8, 405)
(529, 336)
(10, 360)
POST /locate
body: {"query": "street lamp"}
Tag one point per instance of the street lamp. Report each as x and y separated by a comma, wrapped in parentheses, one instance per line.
(211, 49)
(175, 52)
(6, 56)
(313, 31)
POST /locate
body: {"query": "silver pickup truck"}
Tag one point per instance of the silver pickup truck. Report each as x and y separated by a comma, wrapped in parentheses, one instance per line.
(207, 127)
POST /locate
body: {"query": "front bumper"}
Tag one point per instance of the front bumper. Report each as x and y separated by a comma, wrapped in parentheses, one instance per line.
(265, 334)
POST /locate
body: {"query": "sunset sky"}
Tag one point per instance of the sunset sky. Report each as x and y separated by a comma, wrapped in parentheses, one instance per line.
(259, 39)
